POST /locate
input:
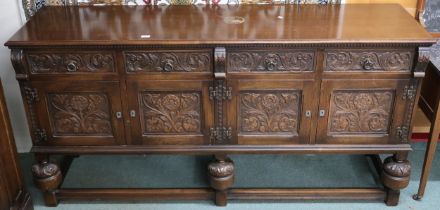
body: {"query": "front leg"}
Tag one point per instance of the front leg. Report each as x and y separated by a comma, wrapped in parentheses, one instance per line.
(47, 178)
(395, 176)
(221, 177)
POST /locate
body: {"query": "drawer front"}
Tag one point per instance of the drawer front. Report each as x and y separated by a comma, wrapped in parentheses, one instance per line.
(168, 61)
(368, 60)
(271, 61)
(71, 62)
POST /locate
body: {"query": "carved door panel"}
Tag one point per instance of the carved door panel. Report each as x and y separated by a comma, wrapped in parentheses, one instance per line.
(268, 112)
(77, 113)
(363, 111)
(170, 112)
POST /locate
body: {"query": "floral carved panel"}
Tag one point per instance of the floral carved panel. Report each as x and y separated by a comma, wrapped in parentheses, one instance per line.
(355, 60)
(171, 112)
(360, 111)
(269, 112)
(167, 62)
(77, 114)
(271, 61)
(70, 62)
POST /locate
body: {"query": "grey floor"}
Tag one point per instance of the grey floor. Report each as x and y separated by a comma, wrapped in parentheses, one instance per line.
(251, 171)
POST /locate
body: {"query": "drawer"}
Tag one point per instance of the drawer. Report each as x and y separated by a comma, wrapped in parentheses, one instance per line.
(168, 61)
(271, 60)
(386, 60)
(63, 62)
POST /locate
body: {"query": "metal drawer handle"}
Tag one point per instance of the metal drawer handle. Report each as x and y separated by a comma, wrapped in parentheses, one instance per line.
(168, 66)
(132, 113)
(270, 64)
(118, 115)
(71, 66)
(368, 64)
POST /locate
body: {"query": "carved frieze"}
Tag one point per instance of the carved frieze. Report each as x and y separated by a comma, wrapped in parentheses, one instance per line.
(361, 60)
(360, 111)
(71, 62)
(269, 112)
(264, 61)
(86, 114)
(171, 112)
(168, 61)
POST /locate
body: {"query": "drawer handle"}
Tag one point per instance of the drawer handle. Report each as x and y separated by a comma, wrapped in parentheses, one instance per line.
(368, 64)
(270, 64)
(118, 115)
(71, 66)
(168, 67)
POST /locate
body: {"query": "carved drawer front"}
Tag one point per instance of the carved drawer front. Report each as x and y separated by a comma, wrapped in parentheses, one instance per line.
(170, 112)
(393, 60)
(76, 114)
(168, 61)
(362, 111)
(270, 61)
(270, 111)
(71, 62)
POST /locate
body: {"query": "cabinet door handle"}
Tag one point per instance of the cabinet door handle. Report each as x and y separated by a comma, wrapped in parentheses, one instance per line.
(118, 115)
(132, 113)
(308, 113)
(321, 112)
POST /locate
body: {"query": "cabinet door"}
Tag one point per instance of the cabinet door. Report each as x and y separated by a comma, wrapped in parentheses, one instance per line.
(170, 112)
(268, 112)
(361, 111)
(79, 113)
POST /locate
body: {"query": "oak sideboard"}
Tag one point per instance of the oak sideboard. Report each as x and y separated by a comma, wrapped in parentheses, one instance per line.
(220, 80)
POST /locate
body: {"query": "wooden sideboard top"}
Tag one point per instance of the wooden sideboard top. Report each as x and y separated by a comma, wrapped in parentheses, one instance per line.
(226, 24)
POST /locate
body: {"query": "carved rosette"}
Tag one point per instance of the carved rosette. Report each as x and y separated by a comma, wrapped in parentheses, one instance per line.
(271, 61)
(171, 112)
(360, 111)
(70, 62)
(350, 60)
(47, 176)
(396, 173)
(268, 112)
(167, 62)
(80, 114)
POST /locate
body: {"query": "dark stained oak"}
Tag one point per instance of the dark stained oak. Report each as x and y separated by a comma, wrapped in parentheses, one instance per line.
(369, 23)
(221, 80)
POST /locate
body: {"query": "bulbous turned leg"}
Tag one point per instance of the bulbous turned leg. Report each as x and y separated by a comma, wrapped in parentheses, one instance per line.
(395, 176)
(47, 178)
(221, 177)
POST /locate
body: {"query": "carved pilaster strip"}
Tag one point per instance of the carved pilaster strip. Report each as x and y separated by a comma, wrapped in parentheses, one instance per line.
(31, 97)
(221, 133)
(409, 113)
